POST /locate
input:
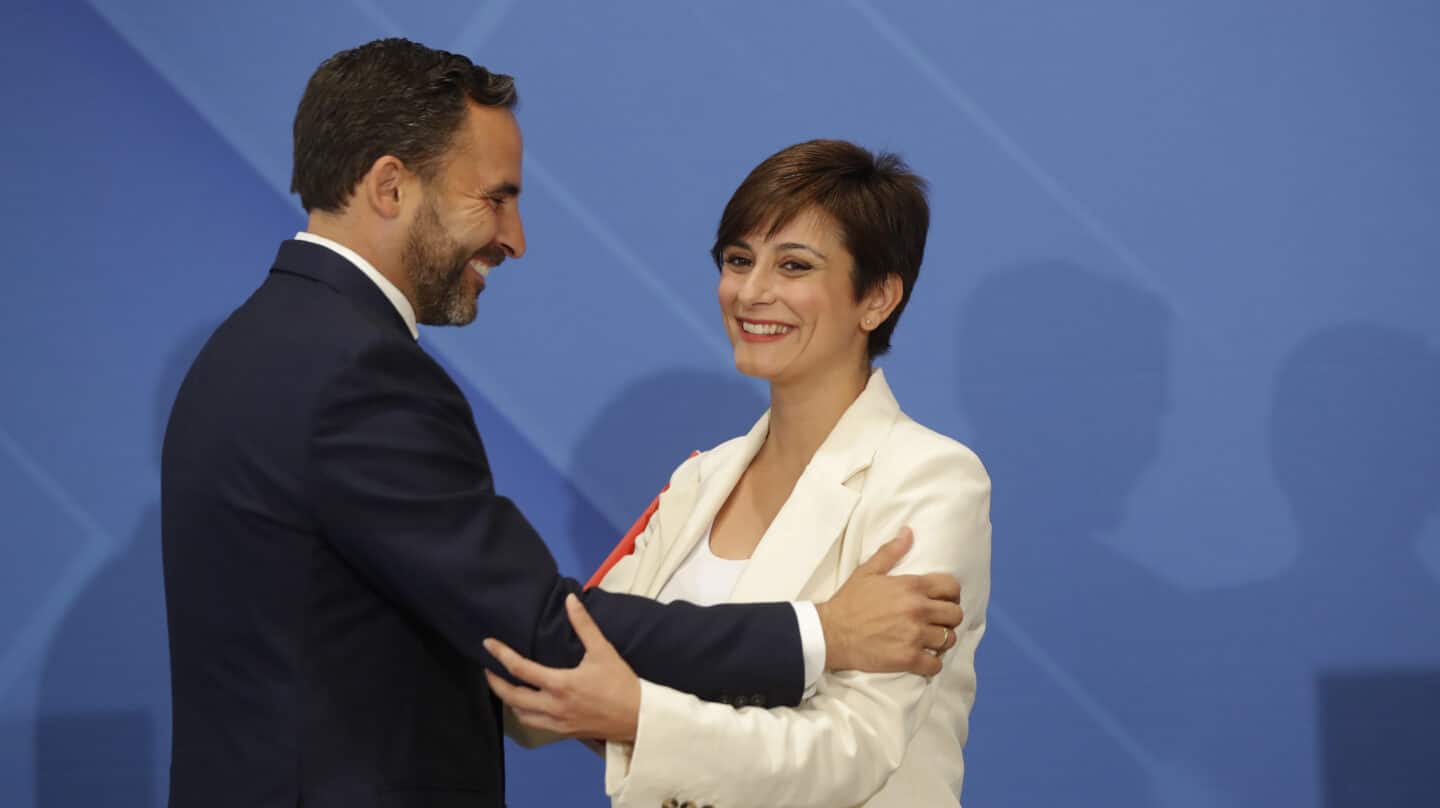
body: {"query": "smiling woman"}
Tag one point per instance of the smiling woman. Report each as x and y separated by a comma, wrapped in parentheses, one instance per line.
(873, 207)
(818, 251)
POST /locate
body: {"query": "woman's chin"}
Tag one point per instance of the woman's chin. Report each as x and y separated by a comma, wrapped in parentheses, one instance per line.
(757, 370)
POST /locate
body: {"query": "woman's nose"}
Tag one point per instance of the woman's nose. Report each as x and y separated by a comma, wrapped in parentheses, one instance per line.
(758, 286)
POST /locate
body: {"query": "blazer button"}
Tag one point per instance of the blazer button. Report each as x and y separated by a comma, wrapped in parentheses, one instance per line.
(687, 804)
(757, 700)
(671, 803)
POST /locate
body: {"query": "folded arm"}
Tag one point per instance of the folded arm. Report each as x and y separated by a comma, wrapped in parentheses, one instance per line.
(840, 747)
(836, 749)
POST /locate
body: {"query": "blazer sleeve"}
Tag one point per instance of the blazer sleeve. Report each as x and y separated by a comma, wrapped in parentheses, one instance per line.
(841, 746)
(400, 486)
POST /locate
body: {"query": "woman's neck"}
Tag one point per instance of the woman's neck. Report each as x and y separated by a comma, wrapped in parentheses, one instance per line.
(803, 412)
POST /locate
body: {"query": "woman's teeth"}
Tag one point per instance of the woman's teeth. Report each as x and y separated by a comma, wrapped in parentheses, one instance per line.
(764, 329)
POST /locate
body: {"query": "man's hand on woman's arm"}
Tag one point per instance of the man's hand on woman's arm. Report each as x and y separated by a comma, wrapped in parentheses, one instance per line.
(881, 623)
(876, 623)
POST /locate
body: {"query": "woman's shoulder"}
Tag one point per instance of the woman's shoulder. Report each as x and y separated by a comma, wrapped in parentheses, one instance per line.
(913, 449)
(694, 467)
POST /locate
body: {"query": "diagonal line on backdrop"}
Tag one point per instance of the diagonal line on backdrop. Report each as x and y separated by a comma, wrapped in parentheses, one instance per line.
(627, 257)
(519, 416)
(993, 131)
(1072, 688)
(482, 25)
(375, 15)
(98, 547)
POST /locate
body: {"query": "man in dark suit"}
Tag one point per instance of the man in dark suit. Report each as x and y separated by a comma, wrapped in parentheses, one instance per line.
(335, 552)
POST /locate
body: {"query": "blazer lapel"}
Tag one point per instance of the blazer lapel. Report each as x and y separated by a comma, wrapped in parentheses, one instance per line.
(685, 519)
(818, 510)
(803, 532)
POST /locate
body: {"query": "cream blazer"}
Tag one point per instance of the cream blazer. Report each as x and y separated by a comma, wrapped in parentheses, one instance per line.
(862, 739)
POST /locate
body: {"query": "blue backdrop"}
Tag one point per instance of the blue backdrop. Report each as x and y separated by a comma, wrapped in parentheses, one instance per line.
(1180, 294)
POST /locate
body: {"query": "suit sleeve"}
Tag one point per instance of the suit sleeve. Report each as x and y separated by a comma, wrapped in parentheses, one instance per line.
(620, 577)
(401, 488)
(841, 746)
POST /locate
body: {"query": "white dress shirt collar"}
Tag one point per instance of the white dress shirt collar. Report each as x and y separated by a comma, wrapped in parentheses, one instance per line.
(391, 291)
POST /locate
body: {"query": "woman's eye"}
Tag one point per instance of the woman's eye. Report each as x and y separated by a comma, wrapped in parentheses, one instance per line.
(738, 261)
(795, 266)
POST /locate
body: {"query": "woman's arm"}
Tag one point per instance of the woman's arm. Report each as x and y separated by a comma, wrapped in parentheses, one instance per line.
(840, 747)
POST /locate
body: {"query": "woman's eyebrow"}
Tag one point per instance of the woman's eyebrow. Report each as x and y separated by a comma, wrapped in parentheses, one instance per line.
(795, 245)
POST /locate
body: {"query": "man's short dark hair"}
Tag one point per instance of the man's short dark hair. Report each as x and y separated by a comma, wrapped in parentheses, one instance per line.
(390, 96)
(877, 201)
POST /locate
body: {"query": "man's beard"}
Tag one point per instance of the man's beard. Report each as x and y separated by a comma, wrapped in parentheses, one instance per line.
(436, 265)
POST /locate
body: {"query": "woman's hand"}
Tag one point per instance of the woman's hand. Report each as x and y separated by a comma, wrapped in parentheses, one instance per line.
(600, 698)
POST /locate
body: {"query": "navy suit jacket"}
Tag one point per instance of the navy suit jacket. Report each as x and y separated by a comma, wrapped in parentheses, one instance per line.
(335, 552)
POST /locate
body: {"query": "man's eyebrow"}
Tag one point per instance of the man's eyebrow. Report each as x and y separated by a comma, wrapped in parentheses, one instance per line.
(507, 189)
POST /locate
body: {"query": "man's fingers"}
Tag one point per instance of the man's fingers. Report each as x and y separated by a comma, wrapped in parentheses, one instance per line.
(940, 586)
(943, 613)
(585, 627)
(889, 554)
(518, 697)
(925, 663)
(541, 721)
(521, 668)
(939, 638)
(951, 638)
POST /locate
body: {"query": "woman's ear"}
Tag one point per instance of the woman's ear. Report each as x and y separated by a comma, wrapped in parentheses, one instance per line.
(881, 301)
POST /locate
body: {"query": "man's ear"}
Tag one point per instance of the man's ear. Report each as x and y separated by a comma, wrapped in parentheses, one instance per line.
(880, 302)
(383, 187)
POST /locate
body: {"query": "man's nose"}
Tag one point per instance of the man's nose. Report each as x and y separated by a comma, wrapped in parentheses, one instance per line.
(512, 234)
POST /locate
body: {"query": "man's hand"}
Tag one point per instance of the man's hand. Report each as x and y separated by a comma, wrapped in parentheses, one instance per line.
(891, 623)
(600, 698)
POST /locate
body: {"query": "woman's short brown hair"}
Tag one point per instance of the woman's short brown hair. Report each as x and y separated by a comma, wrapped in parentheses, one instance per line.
(877, 201)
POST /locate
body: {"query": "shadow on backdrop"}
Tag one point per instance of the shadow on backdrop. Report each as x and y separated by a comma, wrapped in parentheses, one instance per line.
(1355, 444)
(103, 724)
(641, 435)
(1065, 378)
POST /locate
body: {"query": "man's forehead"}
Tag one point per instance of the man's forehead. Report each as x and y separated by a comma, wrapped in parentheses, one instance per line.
(493, 123)
(488, 144)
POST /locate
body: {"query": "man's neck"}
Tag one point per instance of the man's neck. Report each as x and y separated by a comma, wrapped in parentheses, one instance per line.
(359, 239)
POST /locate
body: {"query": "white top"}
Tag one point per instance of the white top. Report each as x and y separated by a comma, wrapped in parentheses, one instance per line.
(391, 291)
(703, 578)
